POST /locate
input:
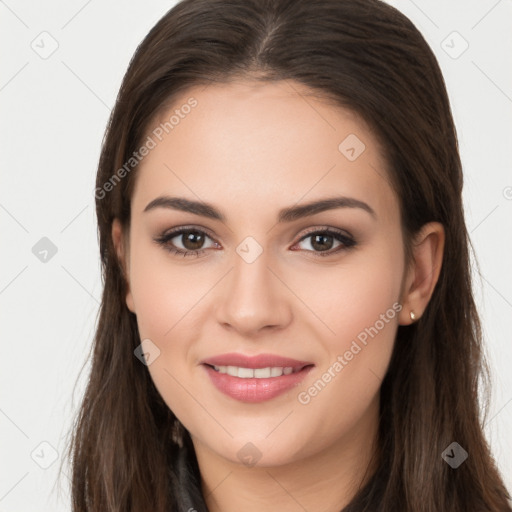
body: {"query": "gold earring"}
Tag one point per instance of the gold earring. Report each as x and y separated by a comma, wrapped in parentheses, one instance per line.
(412, 315)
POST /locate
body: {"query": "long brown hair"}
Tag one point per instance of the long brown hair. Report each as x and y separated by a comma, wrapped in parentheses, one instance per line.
(368, 57)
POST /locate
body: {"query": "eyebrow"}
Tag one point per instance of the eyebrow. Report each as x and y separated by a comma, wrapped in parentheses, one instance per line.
(285, 215)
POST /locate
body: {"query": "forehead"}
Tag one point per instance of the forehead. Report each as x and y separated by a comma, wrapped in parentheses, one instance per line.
(270, 143)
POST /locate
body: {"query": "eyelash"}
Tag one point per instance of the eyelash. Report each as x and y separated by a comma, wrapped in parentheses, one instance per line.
(346, 240)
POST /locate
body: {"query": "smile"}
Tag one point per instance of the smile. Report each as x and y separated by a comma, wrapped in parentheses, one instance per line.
(257, 373)
(255, 378)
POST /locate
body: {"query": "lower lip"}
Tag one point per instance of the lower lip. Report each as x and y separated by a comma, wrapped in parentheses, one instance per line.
(255, 390)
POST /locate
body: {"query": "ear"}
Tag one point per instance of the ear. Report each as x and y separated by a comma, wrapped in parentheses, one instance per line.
(119, 240)
(423, 272)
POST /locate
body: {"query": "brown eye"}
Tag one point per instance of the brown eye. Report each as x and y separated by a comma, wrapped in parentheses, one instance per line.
(185, 241)
(192, 240)
(321, 242)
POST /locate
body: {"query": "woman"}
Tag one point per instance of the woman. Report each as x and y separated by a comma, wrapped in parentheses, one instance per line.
(287, 320)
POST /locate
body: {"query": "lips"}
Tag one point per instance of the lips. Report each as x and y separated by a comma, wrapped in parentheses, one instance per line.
(255, 378)
(259, 361)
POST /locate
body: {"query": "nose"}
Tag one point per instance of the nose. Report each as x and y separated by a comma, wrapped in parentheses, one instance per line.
(253, 297)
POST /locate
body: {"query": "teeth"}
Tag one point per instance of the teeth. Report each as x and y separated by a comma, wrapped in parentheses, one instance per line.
(276, 372)
(263, 373)
(258, 373)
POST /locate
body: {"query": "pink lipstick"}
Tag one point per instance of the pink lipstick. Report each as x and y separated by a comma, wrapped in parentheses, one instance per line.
(255, 378)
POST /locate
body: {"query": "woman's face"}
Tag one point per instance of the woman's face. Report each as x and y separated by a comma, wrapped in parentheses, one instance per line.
(275, 277)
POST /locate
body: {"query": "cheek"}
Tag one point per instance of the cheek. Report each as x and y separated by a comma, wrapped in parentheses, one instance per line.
(166, 296)
(169, 298)
(354, 295)
(361, 307)
(164, 292)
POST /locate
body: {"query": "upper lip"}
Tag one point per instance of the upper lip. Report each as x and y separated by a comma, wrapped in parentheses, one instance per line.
(259, 361)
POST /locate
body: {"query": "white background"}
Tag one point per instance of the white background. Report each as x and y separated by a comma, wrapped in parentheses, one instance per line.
(54, 112)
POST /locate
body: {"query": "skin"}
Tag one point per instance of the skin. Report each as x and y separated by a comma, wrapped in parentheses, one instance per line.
(250, 150)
